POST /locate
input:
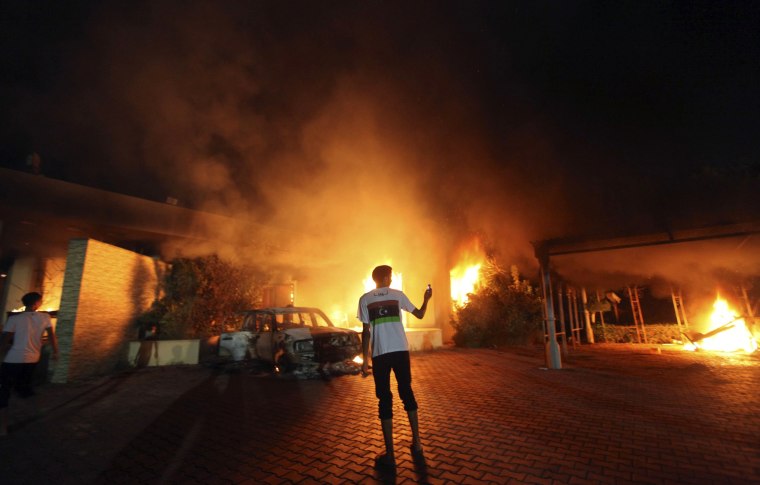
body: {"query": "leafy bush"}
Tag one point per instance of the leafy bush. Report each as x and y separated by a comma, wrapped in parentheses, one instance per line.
(659, 333)
(505, 310)
(200, 294)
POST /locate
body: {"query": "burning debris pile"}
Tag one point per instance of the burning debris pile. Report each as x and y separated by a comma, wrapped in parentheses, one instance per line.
(727, 331)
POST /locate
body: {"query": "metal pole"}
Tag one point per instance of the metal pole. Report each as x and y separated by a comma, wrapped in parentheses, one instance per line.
(676, 308)
(562, 322)
(750, 320)
(683, 309)
(589, 330)
(572, 301)
(601, 315)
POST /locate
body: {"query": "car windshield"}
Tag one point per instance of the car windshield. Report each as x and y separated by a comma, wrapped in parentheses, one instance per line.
(261, 321)
(320, 321)
(292, 319)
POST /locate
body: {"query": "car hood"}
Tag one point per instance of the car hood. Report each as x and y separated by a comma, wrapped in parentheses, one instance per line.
(301, 333)
(298, 333)
(330, 331)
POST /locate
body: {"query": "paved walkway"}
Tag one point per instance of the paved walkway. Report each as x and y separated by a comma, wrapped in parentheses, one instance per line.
(612, 415)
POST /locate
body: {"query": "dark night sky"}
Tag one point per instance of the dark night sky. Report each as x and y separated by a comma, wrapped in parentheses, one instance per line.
(576, 116)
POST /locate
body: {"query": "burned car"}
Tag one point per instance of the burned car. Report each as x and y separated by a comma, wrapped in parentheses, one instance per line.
(293, 339)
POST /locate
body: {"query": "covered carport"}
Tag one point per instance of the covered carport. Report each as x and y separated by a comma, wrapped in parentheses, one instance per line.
(548, 249)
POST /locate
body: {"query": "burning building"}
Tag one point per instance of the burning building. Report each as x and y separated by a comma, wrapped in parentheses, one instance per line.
(98, 258)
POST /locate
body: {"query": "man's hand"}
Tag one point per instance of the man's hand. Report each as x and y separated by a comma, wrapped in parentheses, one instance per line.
(420, 312)
(365, 369)
(428, 293)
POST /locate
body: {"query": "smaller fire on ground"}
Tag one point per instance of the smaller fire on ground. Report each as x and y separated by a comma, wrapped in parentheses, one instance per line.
(727, 331)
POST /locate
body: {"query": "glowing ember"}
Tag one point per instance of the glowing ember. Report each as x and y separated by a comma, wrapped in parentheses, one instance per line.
(728, 331)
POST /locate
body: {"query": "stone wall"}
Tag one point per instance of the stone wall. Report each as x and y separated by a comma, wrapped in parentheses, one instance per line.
(105, 288)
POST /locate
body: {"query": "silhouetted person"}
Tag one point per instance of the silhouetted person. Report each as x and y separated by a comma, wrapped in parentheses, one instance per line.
(380, 314)
(27, 330)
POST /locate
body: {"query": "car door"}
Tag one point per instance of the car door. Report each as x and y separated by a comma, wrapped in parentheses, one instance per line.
(265, 330)
(238, 344)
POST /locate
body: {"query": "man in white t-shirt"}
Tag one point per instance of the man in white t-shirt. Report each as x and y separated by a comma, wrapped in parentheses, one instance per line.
(27, 330)
(380, 314)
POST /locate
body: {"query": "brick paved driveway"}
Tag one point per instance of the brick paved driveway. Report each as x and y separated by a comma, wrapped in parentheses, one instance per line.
(612, 415)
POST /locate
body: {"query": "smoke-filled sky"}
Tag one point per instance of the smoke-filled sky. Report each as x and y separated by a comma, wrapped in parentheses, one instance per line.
(370, 131)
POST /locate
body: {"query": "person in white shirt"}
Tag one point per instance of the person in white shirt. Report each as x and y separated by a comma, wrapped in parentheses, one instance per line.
(27, 330)
(380, 314)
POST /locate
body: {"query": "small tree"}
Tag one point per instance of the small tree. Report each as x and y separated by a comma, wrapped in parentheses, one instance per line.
(506, 310)
(201, 293)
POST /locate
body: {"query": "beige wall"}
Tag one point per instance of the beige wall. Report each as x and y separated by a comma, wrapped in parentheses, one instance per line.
(105, 288)
(152, 353)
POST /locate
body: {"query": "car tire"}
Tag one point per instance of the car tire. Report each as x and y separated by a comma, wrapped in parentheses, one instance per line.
(284, 364)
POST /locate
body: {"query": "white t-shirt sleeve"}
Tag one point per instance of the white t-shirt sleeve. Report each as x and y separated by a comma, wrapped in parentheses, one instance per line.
(47, 320)
(10, 325)
(362, 313)
(405, 303)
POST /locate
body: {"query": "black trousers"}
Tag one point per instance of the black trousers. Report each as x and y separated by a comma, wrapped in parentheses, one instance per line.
(382, 365)
(18, 376)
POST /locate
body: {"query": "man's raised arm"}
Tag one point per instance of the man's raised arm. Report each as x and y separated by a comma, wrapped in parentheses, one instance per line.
(420, 312)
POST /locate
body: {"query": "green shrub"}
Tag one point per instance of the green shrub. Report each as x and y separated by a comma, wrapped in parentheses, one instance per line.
(657, 333)
(505, 310)
(200, 294)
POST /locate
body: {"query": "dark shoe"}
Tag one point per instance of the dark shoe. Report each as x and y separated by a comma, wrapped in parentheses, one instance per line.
(417, 453)
(385, 461)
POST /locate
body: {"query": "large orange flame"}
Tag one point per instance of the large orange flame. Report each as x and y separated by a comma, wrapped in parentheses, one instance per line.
(730, 331)
(465, 276)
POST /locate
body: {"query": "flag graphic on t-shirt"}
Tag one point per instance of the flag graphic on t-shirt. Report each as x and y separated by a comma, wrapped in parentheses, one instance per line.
(384, 312)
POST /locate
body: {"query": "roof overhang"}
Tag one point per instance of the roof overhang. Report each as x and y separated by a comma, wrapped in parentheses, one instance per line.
(563, 246)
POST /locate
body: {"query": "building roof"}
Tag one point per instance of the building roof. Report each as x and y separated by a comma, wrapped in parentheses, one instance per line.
(40, 215)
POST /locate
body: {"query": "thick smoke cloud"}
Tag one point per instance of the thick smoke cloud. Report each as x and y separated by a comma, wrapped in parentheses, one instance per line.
(330, 151)
(344, 135)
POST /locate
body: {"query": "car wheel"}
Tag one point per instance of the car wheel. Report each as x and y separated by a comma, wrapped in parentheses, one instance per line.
(284, 364)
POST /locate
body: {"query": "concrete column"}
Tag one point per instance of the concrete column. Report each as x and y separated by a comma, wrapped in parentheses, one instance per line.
(553, 357)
